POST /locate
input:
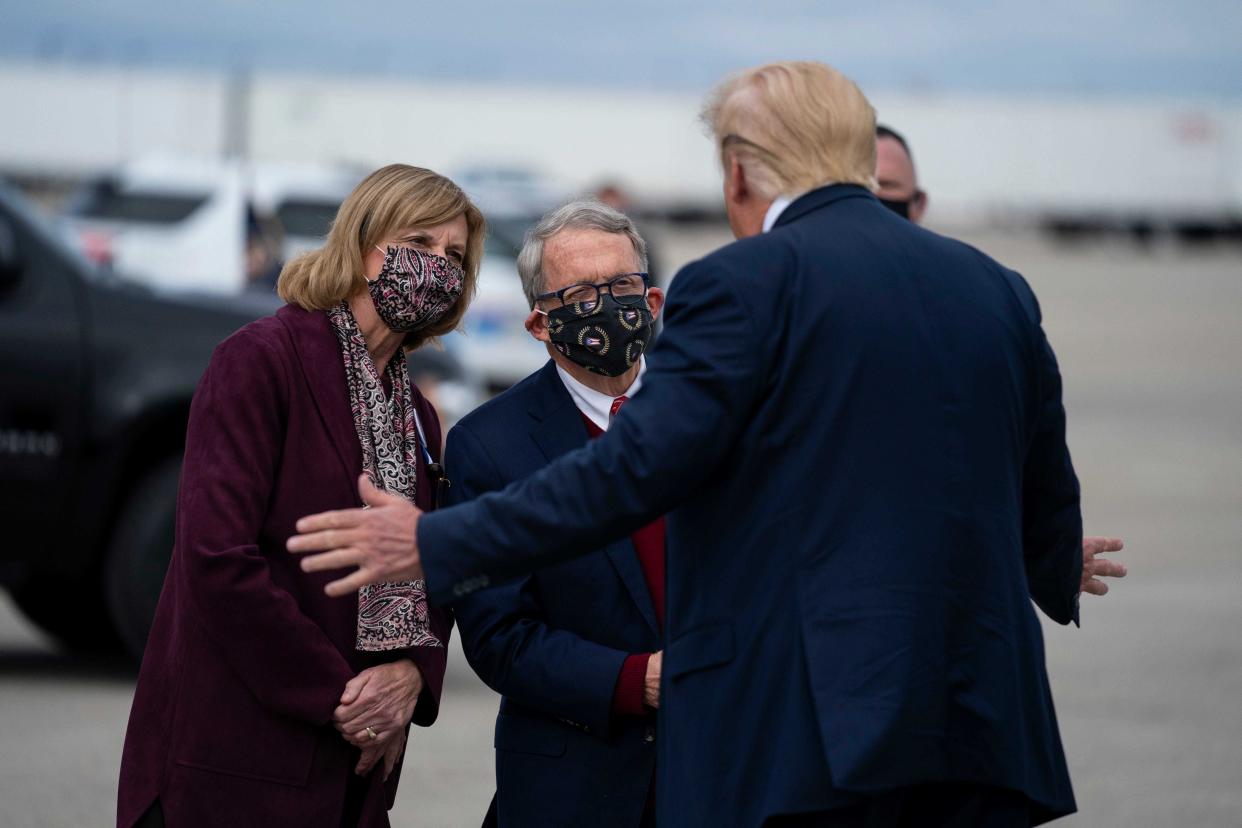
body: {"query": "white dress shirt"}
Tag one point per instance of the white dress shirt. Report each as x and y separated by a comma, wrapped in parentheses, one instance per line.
(596, 406)
(779, 204)
(775, 209)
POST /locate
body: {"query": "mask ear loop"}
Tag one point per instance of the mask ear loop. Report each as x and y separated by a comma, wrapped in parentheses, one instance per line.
(384, 253)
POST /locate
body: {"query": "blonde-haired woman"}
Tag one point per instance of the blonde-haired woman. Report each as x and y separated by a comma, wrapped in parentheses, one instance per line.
(261, 701)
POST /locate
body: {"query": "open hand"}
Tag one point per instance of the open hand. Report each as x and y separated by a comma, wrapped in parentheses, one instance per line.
(381, 540)
(1093, 568)
(381, 698)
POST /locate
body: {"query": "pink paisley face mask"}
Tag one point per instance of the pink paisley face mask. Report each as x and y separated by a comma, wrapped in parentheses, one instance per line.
(414, 288)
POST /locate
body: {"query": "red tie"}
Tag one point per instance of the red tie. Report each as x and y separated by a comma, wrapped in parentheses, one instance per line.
(616, 406)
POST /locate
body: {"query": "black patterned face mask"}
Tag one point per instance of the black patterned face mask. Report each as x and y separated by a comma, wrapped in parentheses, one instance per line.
(607, 339)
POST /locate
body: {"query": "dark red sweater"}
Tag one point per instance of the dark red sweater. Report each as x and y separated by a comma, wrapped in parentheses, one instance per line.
(627, 699)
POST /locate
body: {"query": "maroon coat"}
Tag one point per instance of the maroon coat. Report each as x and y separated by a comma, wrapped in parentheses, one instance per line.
(231, 721)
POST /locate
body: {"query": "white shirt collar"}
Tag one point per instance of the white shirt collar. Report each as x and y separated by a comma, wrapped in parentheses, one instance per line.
(775, 209)
(780, 203)
(593, 404)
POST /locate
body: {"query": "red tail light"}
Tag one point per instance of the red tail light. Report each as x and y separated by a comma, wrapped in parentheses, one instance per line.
(97, 247)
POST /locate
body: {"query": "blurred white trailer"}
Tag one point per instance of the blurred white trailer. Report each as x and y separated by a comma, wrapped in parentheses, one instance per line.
(983, 158)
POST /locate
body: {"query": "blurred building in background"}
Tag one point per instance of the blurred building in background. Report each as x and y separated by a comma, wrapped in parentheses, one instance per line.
(1127, 162)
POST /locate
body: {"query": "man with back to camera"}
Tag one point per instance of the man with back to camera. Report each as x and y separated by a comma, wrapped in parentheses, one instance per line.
(857, 426)
(897, 188)
(574, 648)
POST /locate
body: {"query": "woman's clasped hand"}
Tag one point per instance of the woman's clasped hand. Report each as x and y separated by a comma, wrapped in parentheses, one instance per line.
(375, 709)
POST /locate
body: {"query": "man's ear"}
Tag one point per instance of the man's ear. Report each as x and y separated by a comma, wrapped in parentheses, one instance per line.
(655, 301)
(918, 206)
(537, 326)
(736, 189)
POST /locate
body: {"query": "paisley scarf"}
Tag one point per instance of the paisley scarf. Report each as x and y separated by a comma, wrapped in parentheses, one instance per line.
(391, 615)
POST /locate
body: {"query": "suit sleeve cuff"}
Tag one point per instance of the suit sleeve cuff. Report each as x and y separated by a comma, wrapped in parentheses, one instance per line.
(443, 576)
(627, 698)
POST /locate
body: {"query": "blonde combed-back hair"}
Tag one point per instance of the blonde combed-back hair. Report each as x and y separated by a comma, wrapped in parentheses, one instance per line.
(794, 126)
(388, 200)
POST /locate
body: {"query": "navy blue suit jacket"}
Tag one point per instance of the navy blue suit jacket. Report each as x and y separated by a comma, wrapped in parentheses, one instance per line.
(553, 643)
(856, 428)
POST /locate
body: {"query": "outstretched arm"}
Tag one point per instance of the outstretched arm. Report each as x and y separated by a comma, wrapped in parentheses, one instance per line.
(703, 382)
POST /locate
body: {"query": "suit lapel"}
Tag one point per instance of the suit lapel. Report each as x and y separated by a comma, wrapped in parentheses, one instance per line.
(319, 356)
(625, 560)
(558, 429)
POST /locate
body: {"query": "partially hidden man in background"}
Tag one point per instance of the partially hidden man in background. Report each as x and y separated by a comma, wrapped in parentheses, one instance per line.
(897, 181)
(855, 429)
(574, 648)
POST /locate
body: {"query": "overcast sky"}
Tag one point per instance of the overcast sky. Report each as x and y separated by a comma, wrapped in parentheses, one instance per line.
(1191, 47)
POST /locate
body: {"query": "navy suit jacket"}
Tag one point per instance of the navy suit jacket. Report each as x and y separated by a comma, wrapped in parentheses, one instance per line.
(553, 643)
(856, 428)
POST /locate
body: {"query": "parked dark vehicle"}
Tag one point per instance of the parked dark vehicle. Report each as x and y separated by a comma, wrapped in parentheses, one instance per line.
(96, 376)
(97, 379)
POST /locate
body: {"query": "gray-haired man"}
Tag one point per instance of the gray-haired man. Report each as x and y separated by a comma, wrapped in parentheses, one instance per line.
(573, 649)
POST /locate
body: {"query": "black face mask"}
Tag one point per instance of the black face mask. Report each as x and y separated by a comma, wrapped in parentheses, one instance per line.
(607, 339)
(901, 208)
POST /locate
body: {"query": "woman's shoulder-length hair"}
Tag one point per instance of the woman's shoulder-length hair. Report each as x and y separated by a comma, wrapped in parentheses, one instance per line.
(388, 200)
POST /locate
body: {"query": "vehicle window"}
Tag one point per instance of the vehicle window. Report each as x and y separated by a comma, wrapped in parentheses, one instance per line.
(107, 202)
(307, 217)
(15, 209)
(9, 255)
